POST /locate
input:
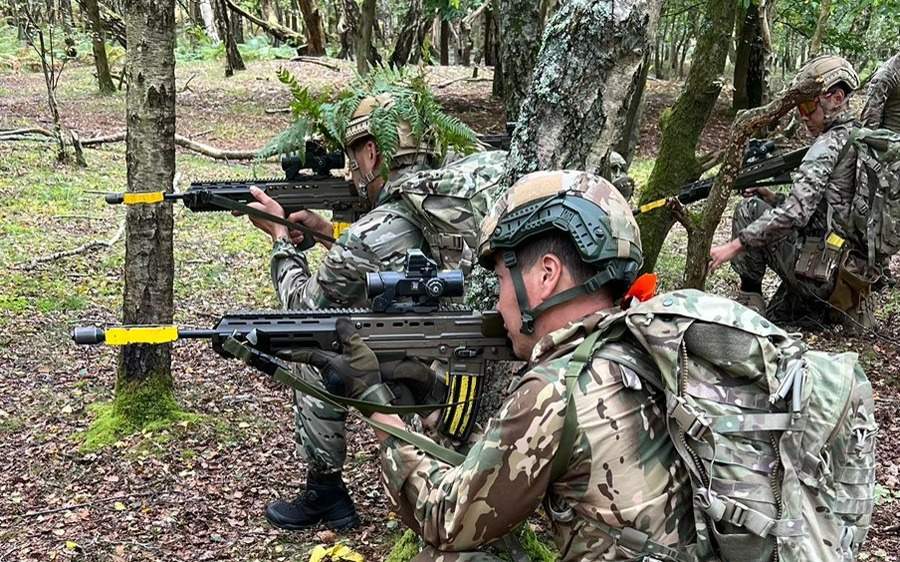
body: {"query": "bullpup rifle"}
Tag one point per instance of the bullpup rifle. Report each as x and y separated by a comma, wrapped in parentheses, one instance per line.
(761, 168)
(407, 320)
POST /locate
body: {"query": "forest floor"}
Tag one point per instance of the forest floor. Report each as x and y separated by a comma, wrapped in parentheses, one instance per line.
(196, 490)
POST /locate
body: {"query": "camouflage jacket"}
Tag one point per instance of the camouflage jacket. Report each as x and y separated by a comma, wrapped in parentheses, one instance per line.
(376, 242)
(820, 181)
(622, 471)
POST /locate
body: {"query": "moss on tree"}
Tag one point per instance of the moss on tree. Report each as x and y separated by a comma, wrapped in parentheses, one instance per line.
(145, 405)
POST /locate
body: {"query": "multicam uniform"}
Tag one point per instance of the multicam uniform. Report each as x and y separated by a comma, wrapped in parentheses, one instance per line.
(376, 242)
(622, 471)
(774, 236)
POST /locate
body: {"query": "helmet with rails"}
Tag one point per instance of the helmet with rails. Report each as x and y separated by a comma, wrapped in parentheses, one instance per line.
(588, 209)
(831, 69)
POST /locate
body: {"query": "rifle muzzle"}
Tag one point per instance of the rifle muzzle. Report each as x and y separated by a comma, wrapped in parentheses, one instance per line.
(88, 335)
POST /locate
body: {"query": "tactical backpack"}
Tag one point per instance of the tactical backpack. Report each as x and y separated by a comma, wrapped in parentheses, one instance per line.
(448, 204)
(875, 208)
(778, 440)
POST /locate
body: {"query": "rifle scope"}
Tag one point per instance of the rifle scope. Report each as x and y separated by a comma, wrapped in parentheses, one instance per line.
(421, 282)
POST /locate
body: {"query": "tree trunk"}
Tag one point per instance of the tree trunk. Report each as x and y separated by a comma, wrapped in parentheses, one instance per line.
(406, 36)
(488, 48)
(313, 23)
(587, 76)
(349, 28)
(364, 41)
(520, 41)
(237, 27)
(209, 20)
(445, 42)
(815, 44)
(746, 27)
(465, 44)
(233, 60)
(144, 383)
(65, 13)
(98, 44)
(681, 126)
(194, 12)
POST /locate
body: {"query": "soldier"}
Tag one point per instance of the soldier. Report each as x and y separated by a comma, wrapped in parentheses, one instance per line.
(796, 234)
(565, 247)
(377, 242)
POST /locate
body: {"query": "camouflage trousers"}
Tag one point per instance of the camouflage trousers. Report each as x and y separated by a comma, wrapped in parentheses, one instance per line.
(318, 428)
(430, 554)
(797, 299)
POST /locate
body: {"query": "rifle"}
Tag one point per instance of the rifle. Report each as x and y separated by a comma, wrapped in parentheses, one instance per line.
(319, 190)
(407, 320)
(760, 169)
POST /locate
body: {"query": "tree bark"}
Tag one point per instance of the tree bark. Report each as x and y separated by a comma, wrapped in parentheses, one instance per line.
(488, 48)
(144, 383)
(237, 27)
(406, 36)
(233, 60)
(676, 163)
(98, 44)
(274, 29)
(587, 77)
(520, 41)
(313, 22)
(445, 42)
(209, 20)
(815, 44)
(364, 46)
(349, 28)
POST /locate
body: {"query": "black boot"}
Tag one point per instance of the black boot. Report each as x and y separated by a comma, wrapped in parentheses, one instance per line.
(325, 500)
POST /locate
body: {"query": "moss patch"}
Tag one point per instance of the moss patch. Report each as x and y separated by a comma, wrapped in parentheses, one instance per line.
(146, 407)
(405, 547)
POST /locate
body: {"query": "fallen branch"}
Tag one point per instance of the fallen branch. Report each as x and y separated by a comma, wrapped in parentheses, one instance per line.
(186, 87)
(76, 506)
(84, 248)
(313, 60)
(275, 30)
(455, 80)
(278, 110)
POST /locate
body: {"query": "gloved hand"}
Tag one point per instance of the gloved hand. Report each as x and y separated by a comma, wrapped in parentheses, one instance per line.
(354, 373)
(413, 382)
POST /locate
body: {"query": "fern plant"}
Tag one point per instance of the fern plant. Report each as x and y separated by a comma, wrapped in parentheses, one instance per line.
(325, 116)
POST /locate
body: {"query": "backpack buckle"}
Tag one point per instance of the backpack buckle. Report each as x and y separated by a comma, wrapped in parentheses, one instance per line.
(688, 419)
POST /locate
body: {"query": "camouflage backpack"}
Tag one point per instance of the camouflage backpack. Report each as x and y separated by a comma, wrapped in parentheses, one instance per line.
(778, 440)
(875, 208)
(448, 204)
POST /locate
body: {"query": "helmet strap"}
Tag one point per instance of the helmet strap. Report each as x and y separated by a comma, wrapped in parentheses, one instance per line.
(530, 315)
(363, 187)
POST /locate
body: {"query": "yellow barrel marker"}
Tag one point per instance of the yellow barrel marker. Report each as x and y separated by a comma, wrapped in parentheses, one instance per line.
(143, 198)
(653, 205)
(834, 241)
(141, 334)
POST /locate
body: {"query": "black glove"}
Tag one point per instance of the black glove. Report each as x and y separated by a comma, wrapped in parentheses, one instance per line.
(354, 373)
(413, 382)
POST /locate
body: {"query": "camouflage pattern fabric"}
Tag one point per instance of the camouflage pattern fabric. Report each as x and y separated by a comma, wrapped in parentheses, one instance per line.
(795, 300)
(376, 242)
(882, 107)
(622, 471)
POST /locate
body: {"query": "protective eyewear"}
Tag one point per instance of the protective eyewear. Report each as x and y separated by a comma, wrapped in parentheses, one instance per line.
(807, 108)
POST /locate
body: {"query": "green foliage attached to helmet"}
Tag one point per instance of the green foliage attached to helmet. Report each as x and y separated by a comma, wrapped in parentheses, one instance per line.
(584, 207)
(395, 107)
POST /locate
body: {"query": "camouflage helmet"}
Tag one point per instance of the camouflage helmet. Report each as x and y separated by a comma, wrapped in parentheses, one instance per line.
(359, 127)
(831, 69)
(587, 208)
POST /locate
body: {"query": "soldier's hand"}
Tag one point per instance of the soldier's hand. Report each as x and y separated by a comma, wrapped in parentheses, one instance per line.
(724, 254)
(312, 221)
(415, 381)
(354, 372)
(763, 193)
(267, 205)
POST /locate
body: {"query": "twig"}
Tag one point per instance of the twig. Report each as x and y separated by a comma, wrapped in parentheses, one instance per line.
(186, 87)
(455, 80)
(313, 60)
(278, 110)
(79, 250)
(76, 506)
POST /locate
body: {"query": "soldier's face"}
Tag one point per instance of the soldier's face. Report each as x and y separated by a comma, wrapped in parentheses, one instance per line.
(508, 307)
(812, 115)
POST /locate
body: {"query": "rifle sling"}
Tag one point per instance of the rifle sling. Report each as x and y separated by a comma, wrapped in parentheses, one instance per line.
(308, 233)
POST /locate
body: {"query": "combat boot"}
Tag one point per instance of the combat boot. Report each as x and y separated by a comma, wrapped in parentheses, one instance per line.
(754, 301)
(325, 500)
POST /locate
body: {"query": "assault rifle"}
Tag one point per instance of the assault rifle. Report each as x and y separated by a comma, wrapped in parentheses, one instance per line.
(760, 169)
(407, 320)
(297, 191)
